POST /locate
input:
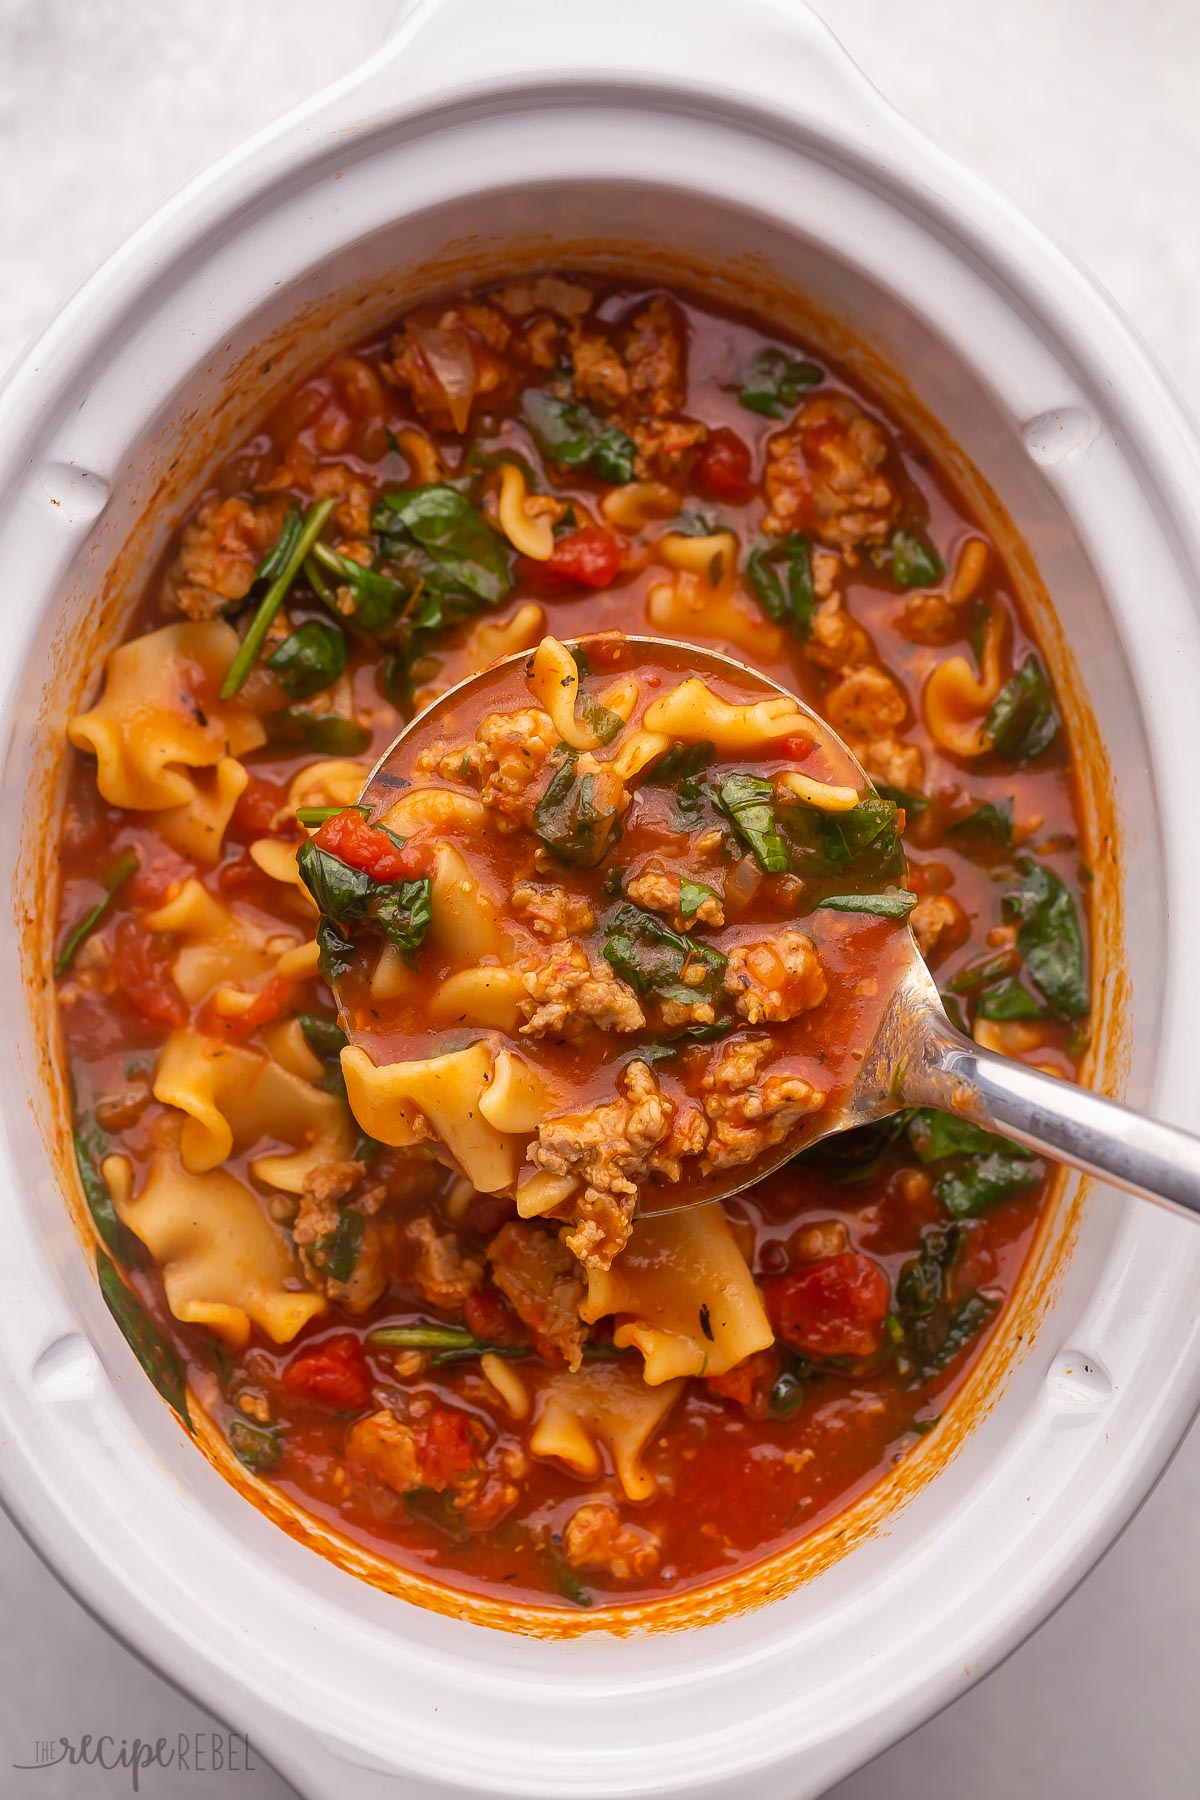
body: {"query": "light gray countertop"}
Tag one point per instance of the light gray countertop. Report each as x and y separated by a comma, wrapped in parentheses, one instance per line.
(1086, 112)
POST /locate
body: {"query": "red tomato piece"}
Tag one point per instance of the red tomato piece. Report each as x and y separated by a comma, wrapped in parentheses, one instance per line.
(159, 868)
(835, 1307)
(141, 966)
(258, 805)
(447, 1450)
(348, 837)
(334, 1373)
(490, 1317)
(797, 749)
(724, 469)
(750, 1383)
(587, 558)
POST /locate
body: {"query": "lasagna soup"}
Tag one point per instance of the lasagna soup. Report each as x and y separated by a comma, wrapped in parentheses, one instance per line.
(518, 1388)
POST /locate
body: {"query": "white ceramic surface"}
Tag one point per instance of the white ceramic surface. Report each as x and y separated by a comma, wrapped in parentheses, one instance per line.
(94, 1468)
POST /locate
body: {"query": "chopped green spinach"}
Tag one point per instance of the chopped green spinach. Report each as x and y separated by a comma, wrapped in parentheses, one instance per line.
(114, 881)
(781, 577)
(1049, 938)
(324, 734)
(572, 826)
(992, 820)
(310, 659)
(749, 804)
(157, 1357)
(568, 433)
(461, 554)
(886, 906)
(281, 568)
(652, 959)
(914, 562)
(1023, 719)
(259, 1447)
(775, 380)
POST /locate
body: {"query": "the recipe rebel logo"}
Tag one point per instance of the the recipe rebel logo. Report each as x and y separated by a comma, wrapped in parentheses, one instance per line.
(224, 1753)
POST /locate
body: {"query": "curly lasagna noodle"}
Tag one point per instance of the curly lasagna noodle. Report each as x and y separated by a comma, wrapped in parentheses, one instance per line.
(604, 902)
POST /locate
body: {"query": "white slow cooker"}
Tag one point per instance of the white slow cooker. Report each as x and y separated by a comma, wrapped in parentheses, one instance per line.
(737, 148)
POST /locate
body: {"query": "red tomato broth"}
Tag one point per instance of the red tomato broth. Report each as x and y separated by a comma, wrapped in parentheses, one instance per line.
(744, 1498)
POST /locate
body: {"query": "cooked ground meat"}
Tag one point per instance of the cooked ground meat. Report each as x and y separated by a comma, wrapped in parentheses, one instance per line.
(540, 1278)
(608, 1148)
(658, 891)
(384, 1448)
(772, 982)
(516, 748)
(656, 355)
(866, 703)
(824, 472)
(596, 1539)
(551, 912)
(569, 996)
(323, 1228)
(749, 1114)
(938, 923)
(888, 759)
(219, 554)
(441, 1269)
(662, 447)
(838, 641)
(598, 373)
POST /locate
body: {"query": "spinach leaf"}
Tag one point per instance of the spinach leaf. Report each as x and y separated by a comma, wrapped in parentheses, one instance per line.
(311, 659)
(447, 1343)
(914, 562)
(936, 1135)
(932, 1327)
(259, 1447)
(91, 1147)
(1049, 938)
(749, 803)
(336, 956)
(1009, 1000)
(281, 567)
(569, 822)
(864, 842)
(156, 1355)
(430, 1507)
(787, 1394)
(651, 958)
(376, 599)
(325, 734)
(313, 816)
(340, 891)
(336, 1252)
(116, 878)
(404, 909)
(324, 1037)
(1023, 720)
(781, 576)
(774, 382)
(886, 906)
(692, 895)
(568, 433)
(993, 819)
(454, 535)
(900, 797)
(596, 716)
(850, 1157)
(980, 1184)
(566, 1580)
(981, 973)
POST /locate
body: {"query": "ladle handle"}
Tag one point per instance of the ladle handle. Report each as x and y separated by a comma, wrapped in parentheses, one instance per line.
(1068, 1123)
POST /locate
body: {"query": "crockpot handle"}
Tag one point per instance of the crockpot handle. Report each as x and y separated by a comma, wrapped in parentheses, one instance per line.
(773, 54)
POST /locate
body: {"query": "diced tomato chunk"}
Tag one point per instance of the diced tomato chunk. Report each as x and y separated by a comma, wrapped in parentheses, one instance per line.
(159, 868)
(259, 804)
(835, 1307)
(750, 1383)
(367, 847)
(724, 470)
(490, 1317)
(334, 1373)
(587, 558)
(447, 1450)
(141, 965)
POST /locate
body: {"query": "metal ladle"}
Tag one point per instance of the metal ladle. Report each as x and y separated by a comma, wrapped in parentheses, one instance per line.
(917, 1058)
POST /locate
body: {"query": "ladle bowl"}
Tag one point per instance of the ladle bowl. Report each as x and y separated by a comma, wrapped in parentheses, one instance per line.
(916, 1057)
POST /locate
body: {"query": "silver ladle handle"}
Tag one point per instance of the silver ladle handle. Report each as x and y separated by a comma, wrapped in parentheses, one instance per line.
(945, 1069)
